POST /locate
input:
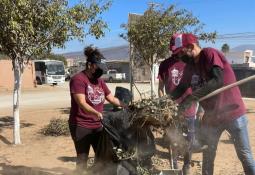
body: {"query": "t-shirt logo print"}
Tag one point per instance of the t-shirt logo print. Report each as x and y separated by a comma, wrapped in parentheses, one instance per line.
(96, 95)
(176, 76)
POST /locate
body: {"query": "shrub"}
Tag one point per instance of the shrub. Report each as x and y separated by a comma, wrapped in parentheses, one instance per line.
(56, 127)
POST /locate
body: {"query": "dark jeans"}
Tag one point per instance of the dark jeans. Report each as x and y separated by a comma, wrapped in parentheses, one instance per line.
(190, 123)
(239, 133)
(83, 138)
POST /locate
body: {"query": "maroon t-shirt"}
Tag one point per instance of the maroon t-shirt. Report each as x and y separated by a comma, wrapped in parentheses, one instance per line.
(171, 72)
(95, 96)
(228, 105)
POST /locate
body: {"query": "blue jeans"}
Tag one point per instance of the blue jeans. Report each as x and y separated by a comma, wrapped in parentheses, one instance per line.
(239, 133)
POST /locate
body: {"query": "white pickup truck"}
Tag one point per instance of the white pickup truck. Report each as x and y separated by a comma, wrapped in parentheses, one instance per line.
(112, 75)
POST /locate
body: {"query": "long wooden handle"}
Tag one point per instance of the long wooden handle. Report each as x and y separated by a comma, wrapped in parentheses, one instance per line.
(227, 87)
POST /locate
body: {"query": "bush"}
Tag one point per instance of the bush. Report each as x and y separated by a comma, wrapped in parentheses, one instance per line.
(56, 127)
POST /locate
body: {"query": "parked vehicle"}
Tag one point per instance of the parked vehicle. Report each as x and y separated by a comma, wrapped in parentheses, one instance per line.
(67, 74)
(112, 75)
(49, 72)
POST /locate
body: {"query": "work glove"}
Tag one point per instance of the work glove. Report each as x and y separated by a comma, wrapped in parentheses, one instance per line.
(187, 102)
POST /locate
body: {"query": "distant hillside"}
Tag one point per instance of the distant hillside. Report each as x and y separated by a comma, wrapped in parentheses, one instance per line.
(111, 53)
(234, 57)
(122, 53)
(244, 47)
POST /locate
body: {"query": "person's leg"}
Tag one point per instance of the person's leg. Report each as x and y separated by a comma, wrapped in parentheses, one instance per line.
(82, 143)
(190, 123)
(239, 133)
(96, 136)
(211, 138)
(174, 156)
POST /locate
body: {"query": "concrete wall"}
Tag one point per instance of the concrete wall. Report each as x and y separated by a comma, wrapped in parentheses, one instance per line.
(7, 76)
(141, 72)
(120, 66)
(247, 89)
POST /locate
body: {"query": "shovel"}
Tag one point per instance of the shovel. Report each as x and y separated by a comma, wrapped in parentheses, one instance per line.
(227, 87)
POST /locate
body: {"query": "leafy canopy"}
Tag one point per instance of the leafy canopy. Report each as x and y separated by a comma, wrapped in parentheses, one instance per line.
(31, 27)
(225, 48)
(150, 33)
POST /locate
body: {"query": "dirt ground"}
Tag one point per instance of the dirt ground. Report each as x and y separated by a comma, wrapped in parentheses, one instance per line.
(41, 155)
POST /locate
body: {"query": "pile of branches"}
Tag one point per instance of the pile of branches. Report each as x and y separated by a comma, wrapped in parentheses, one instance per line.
(156, 112)
(130, 130)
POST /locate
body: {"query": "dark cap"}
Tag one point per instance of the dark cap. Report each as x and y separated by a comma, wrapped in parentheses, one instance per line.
(99, 61)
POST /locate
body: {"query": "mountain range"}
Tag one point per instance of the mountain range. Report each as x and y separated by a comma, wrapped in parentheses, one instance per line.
(242, 48)
(111, 53)
(122, 52)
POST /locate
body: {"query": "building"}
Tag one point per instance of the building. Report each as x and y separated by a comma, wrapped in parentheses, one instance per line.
(245, 69)
(116, 58)
(120, 66)
(7, 75)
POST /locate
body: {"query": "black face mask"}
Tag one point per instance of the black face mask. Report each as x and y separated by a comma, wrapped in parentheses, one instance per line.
(186, 59)
(98, 73)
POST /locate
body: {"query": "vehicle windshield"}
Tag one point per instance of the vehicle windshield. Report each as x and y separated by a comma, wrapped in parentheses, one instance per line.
(55, 69)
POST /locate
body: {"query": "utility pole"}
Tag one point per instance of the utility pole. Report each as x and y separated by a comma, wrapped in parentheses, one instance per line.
(132, 18)
(153, 4)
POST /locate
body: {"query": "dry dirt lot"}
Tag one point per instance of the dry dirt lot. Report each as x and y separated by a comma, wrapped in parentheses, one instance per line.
(41, 155)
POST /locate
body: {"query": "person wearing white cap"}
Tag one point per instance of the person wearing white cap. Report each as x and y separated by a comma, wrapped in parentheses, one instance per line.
(225, 111)
(171, 72)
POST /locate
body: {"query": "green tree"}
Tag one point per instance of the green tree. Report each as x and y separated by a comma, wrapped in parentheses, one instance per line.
(149, 33)
(225, 48)
(31, 27)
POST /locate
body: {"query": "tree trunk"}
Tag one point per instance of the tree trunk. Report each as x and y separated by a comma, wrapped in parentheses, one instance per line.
(152, 82)
(17, 69)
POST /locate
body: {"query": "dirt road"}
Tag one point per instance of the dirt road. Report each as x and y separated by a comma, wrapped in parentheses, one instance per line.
(40, 155)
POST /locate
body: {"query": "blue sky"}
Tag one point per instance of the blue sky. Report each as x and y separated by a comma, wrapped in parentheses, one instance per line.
(223, 16)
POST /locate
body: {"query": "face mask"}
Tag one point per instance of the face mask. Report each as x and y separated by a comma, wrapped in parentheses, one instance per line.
(98, 73)
(186, 59)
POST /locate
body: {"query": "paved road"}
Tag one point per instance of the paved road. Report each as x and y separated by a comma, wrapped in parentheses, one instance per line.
(45, 95)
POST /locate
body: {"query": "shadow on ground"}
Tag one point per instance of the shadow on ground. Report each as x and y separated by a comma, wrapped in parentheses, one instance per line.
(7, 122)
(4, 140)
(65, 110)
(67, 159)
(250, 111)
(227, 141)
(24, 170)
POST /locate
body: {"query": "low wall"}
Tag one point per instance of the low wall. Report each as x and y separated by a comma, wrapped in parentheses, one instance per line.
(247, 89)
(7, 76)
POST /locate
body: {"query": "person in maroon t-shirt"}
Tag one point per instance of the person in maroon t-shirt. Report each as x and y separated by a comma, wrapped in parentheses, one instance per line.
(225, 111)
(88, 93)
(171, 73)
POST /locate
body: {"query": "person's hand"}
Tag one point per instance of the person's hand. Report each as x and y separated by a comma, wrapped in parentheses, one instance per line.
(99, 116)
(187, 102)
(123, 105)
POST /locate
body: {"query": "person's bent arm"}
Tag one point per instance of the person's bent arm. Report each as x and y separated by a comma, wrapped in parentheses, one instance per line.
(160, 88)
(80, 100)
(115, 101)
(214, 83)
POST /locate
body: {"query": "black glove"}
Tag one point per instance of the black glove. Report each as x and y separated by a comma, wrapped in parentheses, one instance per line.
(187, 102)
